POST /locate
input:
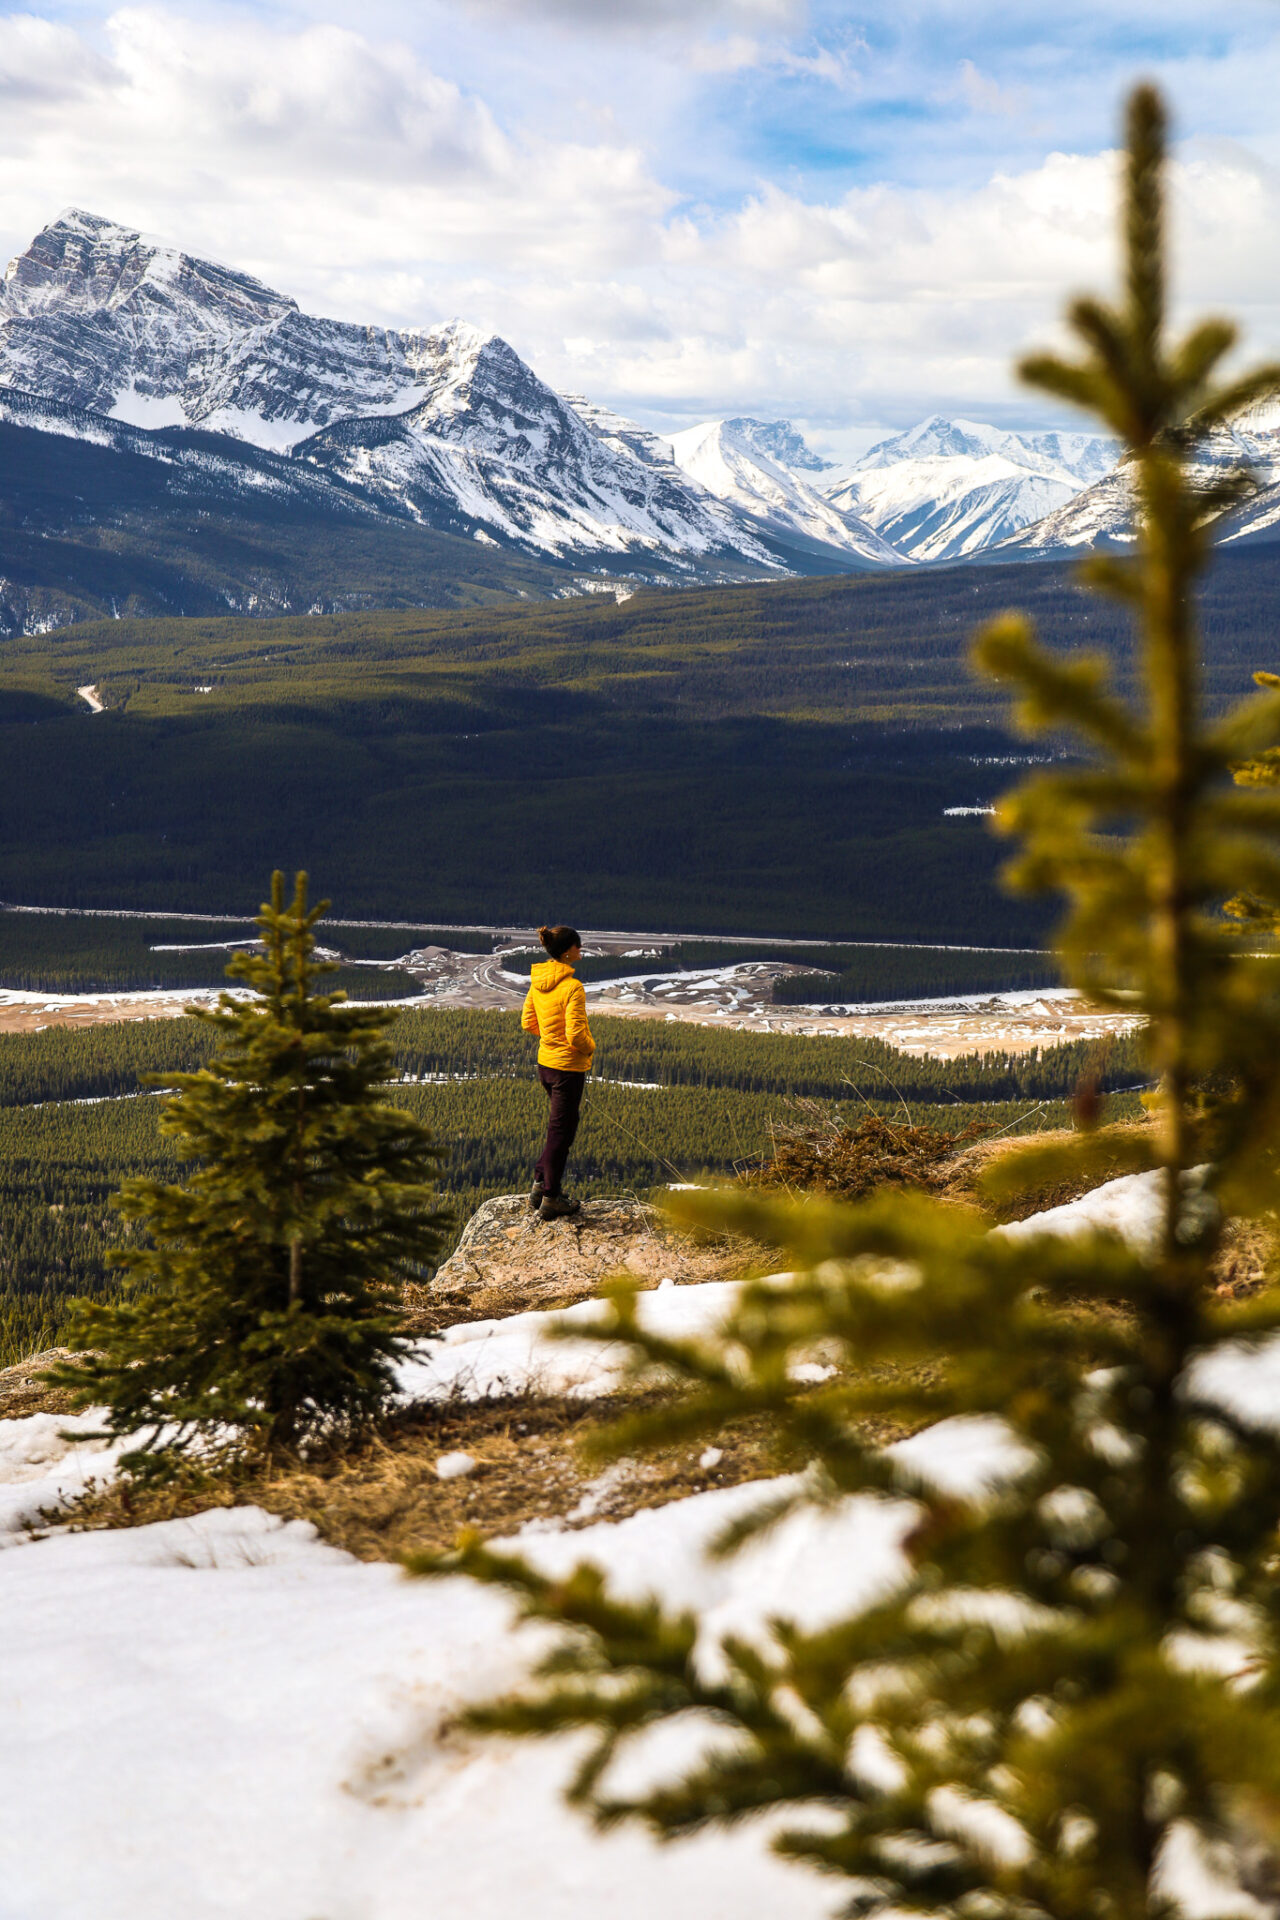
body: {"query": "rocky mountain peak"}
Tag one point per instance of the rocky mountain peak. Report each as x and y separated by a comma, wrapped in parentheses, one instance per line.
(82, 263)
(779, 441)
(936, 437)
(1079, 457)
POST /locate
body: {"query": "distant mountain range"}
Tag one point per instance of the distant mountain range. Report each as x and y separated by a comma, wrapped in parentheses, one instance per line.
(949, 488)
(761, 469)
(1100, 516)
(175, 414)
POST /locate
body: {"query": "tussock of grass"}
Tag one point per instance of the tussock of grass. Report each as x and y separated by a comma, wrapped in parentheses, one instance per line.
(820, 1152)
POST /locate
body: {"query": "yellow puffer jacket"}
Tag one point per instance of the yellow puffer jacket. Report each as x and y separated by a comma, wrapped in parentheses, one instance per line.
(555, 1008)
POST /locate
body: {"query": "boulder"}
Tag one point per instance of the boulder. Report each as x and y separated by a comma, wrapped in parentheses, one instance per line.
(508, 1259)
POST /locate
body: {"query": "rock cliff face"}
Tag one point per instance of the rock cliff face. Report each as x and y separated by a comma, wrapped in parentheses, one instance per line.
(492, 446)
(508, 1260)
(99, 317)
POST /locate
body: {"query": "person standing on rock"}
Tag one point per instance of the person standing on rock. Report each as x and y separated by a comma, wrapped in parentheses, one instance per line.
(555, 1008)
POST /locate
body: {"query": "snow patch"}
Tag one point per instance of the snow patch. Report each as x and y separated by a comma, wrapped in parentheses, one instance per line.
(223, 1717)
(148, 410)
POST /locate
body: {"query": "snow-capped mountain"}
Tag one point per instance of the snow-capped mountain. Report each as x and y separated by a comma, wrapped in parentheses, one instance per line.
(1086, 456)
(740, 462)
(491, 445)
(99, 317)
(448, 424)
(127, 343)
(1101, 516)
(948, 489)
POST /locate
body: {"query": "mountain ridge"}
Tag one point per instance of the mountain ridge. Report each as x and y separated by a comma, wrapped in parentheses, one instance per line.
(949, 488)
(735, 459)
(252, 406)
(100, 319)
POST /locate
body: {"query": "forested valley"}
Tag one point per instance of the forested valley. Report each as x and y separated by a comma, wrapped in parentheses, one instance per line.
(774, 759)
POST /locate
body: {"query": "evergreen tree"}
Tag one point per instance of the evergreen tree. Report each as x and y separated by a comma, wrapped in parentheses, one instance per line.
(1079, 1673)
(1263, 770)
(265, 1300)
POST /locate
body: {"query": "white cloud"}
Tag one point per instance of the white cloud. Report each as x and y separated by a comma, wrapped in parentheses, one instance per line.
(344, 170)
(608, 16)
(889, 302)
(735, 53)
(41, 61)
(984, 95)
(311, 156)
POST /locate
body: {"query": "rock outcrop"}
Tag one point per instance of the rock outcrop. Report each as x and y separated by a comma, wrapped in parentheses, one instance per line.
(22, 1389)
(509, 1260)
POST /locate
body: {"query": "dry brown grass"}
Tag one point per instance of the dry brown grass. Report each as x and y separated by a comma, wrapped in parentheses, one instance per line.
(383, 1499)
(817, 1151)
(962, 1175)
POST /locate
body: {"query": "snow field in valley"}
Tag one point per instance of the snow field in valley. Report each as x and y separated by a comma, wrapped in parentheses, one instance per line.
(223, 1717)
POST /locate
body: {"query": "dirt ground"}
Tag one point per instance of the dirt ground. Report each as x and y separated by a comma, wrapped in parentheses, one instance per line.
(385, 1499)
(32, 1012)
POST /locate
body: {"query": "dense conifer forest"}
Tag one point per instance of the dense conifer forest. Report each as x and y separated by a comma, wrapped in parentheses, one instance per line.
(771, 759)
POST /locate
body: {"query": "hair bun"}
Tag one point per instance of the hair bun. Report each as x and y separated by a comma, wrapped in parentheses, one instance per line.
(559, 940)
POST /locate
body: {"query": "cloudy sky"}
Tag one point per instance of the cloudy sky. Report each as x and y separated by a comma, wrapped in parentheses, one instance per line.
(847, 214)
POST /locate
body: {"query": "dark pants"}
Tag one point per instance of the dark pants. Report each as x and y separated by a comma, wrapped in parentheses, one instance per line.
(564, 1090)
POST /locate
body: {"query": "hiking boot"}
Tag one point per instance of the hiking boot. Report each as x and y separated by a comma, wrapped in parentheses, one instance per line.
(556, 1207)
(537, 1194)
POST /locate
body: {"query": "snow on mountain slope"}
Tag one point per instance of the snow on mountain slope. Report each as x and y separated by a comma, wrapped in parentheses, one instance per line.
(1101, 516)
(1257, 519)
(492, 444)
(730, 459)
(447, 425)
(623, 435)
(947, 489)
(101, 318)
(945, 509)
(1086, 456)
(201, 465)
(1097, 517)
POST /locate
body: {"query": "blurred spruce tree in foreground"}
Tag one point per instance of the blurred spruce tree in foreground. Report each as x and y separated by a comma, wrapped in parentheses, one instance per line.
(266, 1301)
(1076, 1683)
